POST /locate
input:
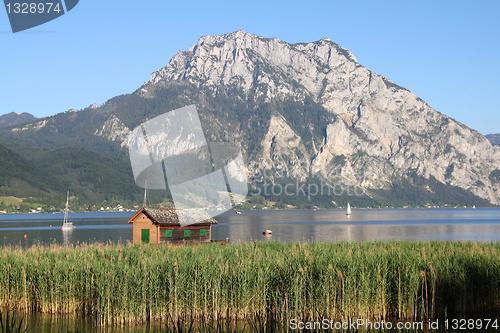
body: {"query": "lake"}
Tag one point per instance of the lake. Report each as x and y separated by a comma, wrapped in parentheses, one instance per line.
(482, 224)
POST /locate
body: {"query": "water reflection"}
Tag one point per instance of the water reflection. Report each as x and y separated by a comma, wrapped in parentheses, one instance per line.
(363, 225)
(43, 323)
(46, 228)
(67, 236)
(296, 225)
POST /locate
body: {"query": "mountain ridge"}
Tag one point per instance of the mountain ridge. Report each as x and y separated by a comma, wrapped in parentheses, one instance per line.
(13, 118)
(307, 108)
(494, 139)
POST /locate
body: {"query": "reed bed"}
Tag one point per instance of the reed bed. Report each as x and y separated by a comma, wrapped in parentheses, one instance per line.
(372, 280)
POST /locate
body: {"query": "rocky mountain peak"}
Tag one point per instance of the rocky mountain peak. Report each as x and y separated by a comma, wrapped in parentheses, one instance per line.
(266, 67)
(376, 124)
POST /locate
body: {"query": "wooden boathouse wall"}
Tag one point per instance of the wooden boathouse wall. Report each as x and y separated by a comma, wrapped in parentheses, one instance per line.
(160, 225)
(142, 222)
(189, 234)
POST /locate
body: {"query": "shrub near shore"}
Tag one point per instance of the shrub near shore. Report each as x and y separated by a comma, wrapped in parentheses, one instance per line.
(371, 280)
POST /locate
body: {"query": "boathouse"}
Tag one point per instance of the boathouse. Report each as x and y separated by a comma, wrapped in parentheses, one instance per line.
(154, 225)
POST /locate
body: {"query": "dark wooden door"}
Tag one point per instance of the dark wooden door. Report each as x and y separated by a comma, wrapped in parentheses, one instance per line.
(145, 236)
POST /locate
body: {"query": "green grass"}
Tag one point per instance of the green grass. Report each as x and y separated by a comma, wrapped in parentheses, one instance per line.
(371, 280)
(10, 200)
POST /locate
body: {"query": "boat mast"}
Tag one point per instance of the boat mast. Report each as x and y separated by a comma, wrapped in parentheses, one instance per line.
(66, 210)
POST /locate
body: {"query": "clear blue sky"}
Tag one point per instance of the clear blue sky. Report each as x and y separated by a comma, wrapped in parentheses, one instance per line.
(446, 52)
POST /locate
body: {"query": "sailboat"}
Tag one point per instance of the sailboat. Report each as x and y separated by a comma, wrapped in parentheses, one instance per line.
(67, 225)
(348, 210)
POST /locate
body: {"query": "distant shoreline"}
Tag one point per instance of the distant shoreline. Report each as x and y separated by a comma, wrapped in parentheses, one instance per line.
(268, 210)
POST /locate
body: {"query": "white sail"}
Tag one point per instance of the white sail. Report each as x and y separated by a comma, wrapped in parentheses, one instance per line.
(67, 225)
(348, 209)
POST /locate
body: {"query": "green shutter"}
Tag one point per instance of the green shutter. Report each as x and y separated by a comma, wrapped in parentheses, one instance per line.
(145, 236)
(203, 232)
(168, 233)
(187, 233)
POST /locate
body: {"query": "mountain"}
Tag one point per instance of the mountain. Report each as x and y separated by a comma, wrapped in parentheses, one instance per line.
(80, 129)
(494, 139)
(14, 118)
(318, 103)
(304, 113)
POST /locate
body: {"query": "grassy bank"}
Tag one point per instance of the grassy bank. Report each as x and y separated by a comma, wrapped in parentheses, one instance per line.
(372, 280)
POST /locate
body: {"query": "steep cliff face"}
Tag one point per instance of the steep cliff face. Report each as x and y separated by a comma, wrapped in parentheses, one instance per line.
(113, 129)
(380, 128)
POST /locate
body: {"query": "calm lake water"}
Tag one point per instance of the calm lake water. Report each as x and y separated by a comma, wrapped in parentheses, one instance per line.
(292, 225)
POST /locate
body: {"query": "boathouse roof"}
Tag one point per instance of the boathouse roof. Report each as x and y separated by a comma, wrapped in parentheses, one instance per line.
(169, 216)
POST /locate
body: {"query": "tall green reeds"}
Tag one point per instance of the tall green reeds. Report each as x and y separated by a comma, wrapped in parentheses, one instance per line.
(372, 280)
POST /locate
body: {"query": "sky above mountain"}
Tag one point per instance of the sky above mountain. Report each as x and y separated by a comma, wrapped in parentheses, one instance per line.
(445, 52)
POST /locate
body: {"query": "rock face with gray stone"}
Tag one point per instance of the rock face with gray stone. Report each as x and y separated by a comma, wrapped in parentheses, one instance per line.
(379, 127)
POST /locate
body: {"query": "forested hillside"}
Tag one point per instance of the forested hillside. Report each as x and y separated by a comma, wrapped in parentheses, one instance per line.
(91, 178)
